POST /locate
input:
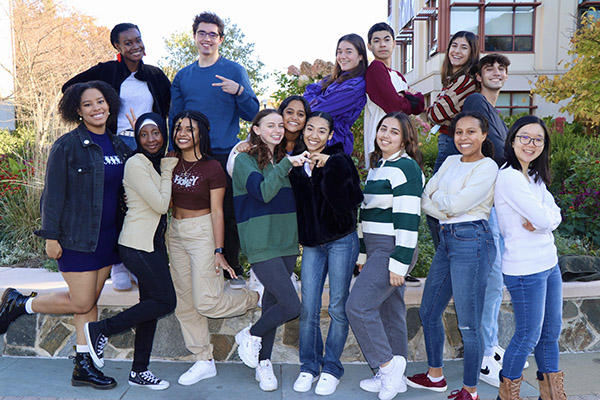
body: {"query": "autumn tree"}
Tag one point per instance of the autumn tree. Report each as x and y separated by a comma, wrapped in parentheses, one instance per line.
(52, 42)
(182, 51)
(581, 83)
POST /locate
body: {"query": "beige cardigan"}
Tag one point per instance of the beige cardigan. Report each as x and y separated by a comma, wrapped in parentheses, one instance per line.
(148, 197)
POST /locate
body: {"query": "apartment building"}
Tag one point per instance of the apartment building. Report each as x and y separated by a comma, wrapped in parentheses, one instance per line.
(534, 35)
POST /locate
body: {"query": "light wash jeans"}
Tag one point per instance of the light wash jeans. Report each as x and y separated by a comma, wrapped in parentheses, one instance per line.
(493, 291)
(537, 304)
(337, 259)
(459, 269)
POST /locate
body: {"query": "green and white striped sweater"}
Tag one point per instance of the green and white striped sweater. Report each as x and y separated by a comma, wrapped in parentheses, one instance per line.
(392, 207)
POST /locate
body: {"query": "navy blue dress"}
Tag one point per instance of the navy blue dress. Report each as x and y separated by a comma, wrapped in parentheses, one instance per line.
(106, 251)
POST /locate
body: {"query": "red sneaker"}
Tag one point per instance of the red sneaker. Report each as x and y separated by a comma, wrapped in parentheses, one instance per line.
(461, 394)
(421, 381)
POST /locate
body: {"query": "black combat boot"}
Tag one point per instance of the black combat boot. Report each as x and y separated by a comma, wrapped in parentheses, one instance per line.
(12, 307)
(86, 374)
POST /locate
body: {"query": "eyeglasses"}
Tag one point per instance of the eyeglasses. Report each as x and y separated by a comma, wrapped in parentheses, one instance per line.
(211, 35)
(525, 140)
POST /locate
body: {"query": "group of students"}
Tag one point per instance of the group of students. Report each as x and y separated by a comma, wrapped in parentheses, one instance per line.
(293, 182)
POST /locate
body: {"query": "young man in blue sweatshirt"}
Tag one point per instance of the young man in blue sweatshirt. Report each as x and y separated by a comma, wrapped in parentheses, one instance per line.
(221, 90)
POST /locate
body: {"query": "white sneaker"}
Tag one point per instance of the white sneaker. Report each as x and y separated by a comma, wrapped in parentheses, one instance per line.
(294, 279)
(392, 377)
(265, 376)
(119, 275)
(248, 347)
(490, 371)
(327, 384)
(304, 382)
(202, 369)
(255, 285)
(372, 385)
(499, 356)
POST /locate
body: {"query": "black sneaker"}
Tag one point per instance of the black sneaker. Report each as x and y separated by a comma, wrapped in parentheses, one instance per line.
(86, 374)
(96, 341)
(12, 307)
(147, 379)
(410, 280)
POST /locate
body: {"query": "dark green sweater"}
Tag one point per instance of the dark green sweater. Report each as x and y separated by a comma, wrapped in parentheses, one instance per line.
(265, 209)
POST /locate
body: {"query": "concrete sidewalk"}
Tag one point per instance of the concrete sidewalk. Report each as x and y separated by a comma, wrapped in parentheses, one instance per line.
(42, 378)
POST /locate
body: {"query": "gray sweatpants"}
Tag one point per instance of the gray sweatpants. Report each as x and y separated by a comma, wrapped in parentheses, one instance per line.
(376, 309)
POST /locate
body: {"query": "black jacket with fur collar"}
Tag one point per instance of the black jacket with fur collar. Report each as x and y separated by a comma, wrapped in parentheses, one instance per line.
(327, 202)
(115, 72)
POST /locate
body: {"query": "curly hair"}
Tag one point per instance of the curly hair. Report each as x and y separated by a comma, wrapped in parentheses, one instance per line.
(208, 18)
(410, 139)
(259, 149)
(203, 132)
(70, 103)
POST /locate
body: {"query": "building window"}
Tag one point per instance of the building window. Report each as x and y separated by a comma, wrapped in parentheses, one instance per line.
(501, 27)
(407, 56)
(515, 103)
(432, 27)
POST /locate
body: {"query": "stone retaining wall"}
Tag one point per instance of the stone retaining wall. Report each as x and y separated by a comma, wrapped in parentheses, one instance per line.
(53, 336)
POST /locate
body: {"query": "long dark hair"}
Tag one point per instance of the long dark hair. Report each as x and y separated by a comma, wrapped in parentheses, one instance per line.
(468, 68)
(538, 168)
(203, 131)
(410, 140)
(487, 147)
(340, 76)
(259, 148)
(284, 104)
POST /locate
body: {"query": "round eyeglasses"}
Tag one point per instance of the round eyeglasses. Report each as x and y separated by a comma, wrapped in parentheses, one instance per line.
(525, 140)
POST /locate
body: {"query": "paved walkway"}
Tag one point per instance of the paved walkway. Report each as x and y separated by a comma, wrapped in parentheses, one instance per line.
(44, 379)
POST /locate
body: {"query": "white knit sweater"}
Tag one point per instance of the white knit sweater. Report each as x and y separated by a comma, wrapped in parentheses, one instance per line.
(517, 200)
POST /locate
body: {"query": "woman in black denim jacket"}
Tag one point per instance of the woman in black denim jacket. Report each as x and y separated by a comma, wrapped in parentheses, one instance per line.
(81, 218)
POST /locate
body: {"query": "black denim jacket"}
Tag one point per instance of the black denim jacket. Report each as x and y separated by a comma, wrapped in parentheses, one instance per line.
(71, 203)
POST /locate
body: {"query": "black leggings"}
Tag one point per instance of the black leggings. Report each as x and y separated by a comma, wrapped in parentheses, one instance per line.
(280, 302)
(157, 298)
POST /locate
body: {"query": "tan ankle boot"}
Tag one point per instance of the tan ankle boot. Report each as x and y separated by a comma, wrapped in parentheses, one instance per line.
(552, 386)
(509, 390)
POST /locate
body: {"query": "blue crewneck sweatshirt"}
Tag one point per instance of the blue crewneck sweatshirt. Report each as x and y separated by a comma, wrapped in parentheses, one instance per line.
(192, 89)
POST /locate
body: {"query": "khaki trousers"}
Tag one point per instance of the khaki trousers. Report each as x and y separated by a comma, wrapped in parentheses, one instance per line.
(201, 293)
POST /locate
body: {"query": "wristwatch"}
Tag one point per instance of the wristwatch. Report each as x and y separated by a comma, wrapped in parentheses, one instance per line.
(220, 250)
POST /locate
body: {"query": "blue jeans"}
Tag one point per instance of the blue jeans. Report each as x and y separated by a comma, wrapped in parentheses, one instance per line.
(459, 269)
(129, 141)
(537, 304)
(493, 292)
(338, 259)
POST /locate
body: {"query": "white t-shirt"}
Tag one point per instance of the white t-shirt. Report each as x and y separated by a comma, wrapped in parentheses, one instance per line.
(517, 200)
(134, 94)
(374, 113)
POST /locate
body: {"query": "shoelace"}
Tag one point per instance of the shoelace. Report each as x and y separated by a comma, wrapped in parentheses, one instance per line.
(256, 346)
(148, 376)
(265, 372)
(102, 340)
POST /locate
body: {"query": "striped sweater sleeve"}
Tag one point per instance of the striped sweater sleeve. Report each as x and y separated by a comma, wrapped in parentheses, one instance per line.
(406, 214)
(450, 101)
